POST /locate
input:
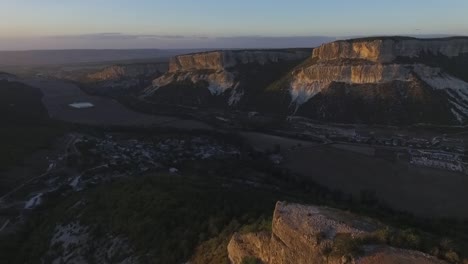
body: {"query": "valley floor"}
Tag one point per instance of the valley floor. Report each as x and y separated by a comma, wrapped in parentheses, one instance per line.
(350, 168)
(422, 191)
(355, 169)
(58, 95)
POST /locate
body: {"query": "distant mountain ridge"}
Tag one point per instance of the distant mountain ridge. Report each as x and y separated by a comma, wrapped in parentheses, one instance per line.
(53, 57)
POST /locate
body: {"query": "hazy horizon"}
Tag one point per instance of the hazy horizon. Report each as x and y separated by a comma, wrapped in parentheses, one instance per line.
(121, 42)
(183, 24)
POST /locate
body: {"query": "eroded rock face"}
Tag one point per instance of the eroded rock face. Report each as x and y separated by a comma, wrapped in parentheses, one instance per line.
(222, 72)
(306, 234)
(221, 60)
(310, 81)
(383, 62)
(386, 50)
(218, 81)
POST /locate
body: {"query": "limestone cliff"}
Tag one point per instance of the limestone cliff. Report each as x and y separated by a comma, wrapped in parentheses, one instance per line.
(310, 234)
(388, 49)
(230, 75)
(221, 60)
(431, 66)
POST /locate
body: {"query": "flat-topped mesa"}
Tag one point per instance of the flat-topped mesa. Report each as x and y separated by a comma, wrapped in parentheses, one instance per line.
(316, 235)
(395, 71)
(388, 49)
(220, 60)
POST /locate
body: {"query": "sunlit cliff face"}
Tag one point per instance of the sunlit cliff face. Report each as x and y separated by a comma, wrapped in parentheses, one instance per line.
(387, 50)
(215, 68)
(377, 62)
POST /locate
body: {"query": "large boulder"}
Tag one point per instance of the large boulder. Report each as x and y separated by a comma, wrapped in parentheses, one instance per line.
(311, 234)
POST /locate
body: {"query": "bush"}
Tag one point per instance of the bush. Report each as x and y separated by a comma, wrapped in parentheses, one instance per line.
(452, 256)
(346, 245)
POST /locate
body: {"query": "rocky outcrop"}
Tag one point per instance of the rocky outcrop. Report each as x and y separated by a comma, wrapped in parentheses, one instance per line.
(310, 234)
(221, 60)
(385, 62)
(310, 81)
(229, 74)
(386, 50)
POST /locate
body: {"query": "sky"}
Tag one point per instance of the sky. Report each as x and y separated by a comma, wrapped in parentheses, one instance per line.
(68, 24)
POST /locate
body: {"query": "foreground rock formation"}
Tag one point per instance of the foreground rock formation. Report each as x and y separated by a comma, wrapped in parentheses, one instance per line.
(310, 234)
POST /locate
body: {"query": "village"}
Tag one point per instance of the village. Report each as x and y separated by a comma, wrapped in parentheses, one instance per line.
(133, 155)
(440, 152)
